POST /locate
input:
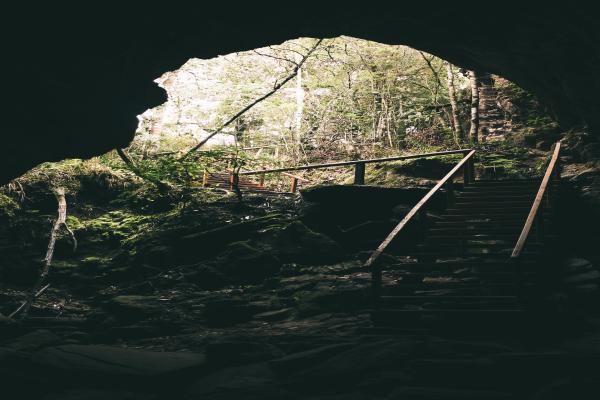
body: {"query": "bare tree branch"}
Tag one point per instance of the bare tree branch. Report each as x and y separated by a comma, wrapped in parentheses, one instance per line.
(255, 102)
(275, 57)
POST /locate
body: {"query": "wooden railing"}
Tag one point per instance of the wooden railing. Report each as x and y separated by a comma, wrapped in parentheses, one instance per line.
(535, 214)
(359, 167)
(376, 271)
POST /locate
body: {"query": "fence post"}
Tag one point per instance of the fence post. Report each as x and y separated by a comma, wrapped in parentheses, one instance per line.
(234, 180)
(450, 191)
(294, 184)
(205, 179)
(467, 173)
(261, 182)
(472, 168)
(359, 173)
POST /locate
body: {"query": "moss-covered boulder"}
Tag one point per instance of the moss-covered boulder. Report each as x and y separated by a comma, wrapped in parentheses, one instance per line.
(243, 262)
(299, 244)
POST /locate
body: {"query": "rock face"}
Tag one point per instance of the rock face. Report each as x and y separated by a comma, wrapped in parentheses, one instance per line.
(76, 86)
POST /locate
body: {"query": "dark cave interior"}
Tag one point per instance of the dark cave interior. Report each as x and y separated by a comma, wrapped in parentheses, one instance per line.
(77, 77)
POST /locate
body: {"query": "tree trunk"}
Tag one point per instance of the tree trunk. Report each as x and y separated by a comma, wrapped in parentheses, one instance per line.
(458, 134)
(61, 221)
(474, 132)
(299, 112)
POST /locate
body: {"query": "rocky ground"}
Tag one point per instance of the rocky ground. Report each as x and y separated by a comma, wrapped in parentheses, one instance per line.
(206, 297)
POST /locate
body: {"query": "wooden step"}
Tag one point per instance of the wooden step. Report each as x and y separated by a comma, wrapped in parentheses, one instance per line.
(500, 182)
(440, 257)
(484, 196)
(468, 263)
(510, 205)
(477, 286)
(473, 318)
(389, 300)
(466, 228)
(475, 236)
(503, 188)
(496, 218)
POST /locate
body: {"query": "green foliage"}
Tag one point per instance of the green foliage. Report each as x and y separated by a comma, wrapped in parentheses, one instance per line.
(8, 207)
(358, 97)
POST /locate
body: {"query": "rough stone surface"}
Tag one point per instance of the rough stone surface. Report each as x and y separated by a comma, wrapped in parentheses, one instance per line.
(114, 361)
(96, 80)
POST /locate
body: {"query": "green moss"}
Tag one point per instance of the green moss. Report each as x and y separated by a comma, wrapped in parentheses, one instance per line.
(64, 264)
(8, 206)
(95, 261)
(74, 223)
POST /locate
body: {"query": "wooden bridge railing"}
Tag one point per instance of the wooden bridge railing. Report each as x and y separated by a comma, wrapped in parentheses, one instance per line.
(536, 212)
(359, 167)
(466, 164)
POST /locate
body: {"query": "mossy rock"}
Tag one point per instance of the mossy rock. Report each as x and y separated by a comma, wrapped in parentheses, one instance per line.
(244, 263)
(8, 207)
(299, 244)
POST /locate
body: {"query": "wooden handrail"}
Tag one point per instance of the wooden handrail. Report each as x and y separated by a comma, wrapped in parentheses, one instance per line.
(353, 162)
(301, 179)
(416, 209)
(536, 203)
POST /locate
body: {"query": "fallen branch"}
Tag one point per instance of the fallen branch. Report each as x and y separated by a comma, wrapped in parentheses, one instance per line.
(255, 102)
(61, 221)
(134, 168)
(42, 290)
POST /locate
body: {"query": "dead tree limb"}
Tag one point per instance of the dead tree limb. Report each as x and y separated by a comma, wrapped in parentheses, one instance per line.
(277, 86)
(61, 221)
(134, 168)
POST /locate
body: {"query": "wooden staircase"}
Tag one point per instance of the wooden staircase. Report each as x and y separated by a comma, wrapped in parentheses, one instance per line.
(471, 271)
(463, 268)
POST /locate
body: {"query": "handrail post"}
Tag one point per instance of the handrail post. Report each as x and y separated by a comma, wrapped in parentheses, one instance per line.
(261, 182)
(450, 191)
(294, 185)
(205, 178)
(359, 173)
(466, 170)
(234, 180)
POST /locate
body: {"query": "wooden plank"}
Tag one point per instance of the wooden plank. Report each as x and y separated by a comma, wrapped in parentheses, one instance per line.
(536, 203)
(415, 210)
(300, 179)
(343, 163)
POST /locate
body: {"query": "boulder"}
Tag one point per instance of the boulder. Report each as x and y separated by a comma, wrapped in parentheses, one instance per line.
(299, 244)
(362, 361)
(207, 277)
(242, 262)
(229, 311)
(34, 340)
(239, 350)
(357, 197)
(98, 394)
(129, 308)
(252, 382)
(97, 362)
(303, 360)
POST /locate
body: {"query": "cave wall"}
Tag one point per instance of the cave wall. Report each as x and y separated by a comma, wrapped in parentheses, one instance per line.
(75, 77)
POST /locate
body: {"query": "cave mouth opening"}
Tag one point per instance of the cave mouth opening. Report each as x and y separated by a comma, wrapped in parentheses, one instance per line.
(307, 100)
